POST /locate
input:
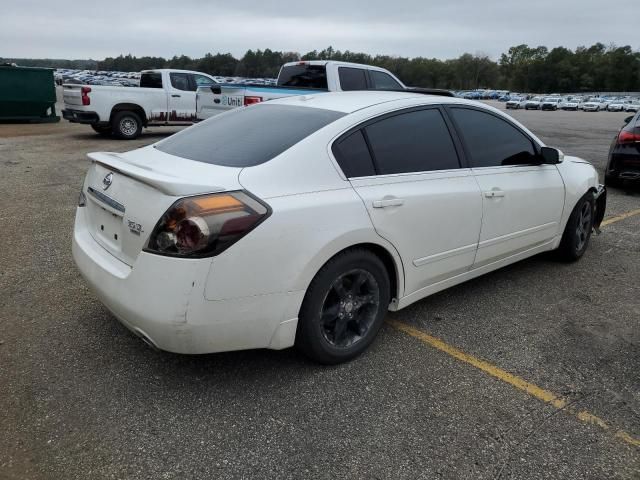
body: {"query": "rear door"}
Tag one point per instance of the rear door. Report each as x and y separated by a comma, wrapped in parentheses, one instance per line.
(182, 98)
(406, 168)
(522, 199)
(156, 99)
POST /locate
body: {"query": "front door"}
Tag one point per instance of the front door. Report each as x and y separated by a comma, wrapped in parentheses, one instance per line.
(522, 199)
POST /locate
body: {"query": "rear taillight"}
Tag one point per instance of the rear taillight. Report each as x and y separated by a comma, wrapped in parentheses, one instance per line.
(84, 92)
(628, 137)
(206, 225)
(249, 100)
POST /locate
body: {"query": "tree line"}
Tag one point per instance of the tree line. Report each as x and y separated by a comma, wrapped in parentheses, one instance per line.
(521, 68)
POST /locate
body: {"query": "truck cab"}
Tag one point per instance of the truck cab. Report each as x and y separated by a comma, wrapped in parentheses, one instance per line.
(166, 97)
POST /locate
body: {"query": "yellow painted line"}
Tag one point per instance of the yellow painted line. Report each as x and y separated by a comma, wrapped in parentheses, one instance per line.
(617, 218)
(513, 380)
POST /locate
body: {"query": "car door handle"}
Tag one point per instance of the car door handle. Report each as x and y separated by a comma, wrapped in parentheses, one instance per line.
(175, 96)
(388, 202)
(494, 193)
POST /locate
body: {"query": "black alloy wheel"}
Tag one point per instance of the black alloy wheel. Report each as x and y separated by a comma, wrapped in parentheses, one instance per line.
(344, 307)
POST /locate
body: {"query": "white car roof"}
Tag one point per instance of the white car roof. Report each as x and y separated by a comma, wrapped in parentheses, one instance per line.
(349, 102)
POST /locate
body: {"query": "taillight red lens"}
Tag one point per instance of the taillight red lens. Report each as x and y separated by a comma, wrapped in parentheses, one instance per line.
(84, 92)
(249, 100)
(206, 225)
(628, 137)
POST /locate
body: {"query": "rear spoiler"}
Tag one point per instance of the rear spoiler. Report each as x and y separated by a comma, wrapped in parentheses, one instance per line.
(424, 91)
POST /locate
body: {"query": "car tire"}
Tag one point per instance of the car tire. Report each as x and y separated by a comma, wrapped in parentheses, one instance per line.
(344, 307)
(577, 232)
(104, 130)
(126, 125)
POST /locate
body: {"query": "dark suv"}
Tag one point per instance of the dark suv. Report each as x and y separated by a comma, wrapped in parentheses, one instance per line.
(624, 154)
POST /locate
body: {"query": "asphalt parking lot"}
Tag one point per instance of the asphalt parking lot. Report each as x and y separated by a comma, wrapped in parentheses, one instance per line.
(530, 372)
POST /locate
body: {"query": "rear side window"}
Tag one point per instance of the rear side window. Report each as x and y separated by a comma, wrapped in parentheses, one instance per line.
(151, 80)
(353, 155)
(352, 78)
(303, 76)
(383, 81)
(180, 81)
(245, 137)
(416, 141)
(493, 141)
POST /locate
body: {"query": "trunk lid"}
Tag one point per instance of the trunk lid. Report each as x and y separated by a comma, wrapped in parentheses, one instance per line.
(128, 193)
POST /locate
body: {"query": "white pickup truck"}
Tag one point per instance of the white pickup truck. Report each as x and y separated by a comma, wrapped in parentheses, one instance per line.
(297, 78)
(165, 97)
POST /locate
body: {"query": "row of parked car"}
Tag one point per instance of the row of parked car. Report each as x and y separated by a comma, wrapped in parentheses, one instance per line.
(573, 102)
(132, 79)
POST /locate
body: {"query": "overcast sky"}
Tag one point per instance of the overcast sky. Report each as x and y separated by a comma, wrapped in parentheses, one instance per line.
(430, 28)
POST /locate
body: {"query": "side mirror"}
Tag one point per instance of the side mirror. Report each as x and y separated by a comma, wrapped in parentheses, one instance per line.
(628, 119)
(216, 90)
(551, 156)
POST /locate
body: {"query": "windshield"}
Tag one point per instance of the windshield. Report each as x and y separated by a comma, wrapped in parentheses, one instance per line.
(249, 136)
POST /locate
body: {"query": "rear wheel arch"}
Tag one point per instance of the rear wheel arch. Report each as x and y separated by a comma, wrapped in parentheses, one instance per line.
(391, 261)
(129, 107)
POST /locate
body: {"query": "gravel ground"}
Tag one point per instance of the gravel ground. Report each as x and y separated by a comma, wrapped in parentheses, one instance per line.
(83, 398)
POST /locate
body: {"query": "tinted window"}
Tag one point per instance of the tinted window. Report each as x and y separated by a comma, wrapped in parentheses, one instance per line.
(353, 155)
(180, 81)
(383, 81)
(412, 142)
(492, 141)
(151, 80)
(352, 78)
(249, 136)
(304, 76)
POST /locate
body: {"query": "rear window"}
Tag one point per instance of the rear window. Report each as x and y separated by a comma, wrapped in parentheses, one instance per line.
(304, 76)
(151, 80)
(383, 81)
(352, 78)
(245, 137)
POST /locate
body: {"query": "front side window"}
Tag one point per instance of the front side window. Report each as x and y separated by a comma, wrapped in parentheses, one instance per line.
(415, 141)
(180, 81)
(383, 81)
(201, 80)
(492, 141)
(352, 78)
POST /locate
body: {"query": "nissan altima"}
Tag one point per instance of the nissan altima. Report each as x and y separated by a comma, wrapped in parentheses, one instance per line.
(301, 221)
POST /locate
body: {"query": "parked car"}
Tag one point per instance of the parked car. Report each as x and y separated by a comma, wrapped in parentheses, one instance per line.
(550, 103)
(533, 103)
(569, 105)
(633, 106)
(617, 105)
(592, 106)
(293, 234)
(623, 164)
(515, 103)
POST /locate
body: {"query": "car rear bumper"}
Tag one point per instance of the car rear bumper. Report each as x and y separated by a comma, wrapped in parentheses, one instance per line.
(161, 299)
(81, 116)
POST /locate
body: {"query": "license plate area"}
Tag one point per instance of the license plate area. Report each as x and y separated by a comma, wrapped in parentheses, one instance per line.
(106, 226)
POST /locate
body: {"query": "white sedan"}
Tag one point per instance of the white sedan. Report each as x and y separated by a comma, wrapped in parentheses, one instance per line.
(303, 220)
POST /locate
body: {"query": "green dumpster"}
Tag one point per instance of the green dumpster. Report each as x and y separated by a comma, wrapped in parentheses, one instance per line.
(27, 93)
